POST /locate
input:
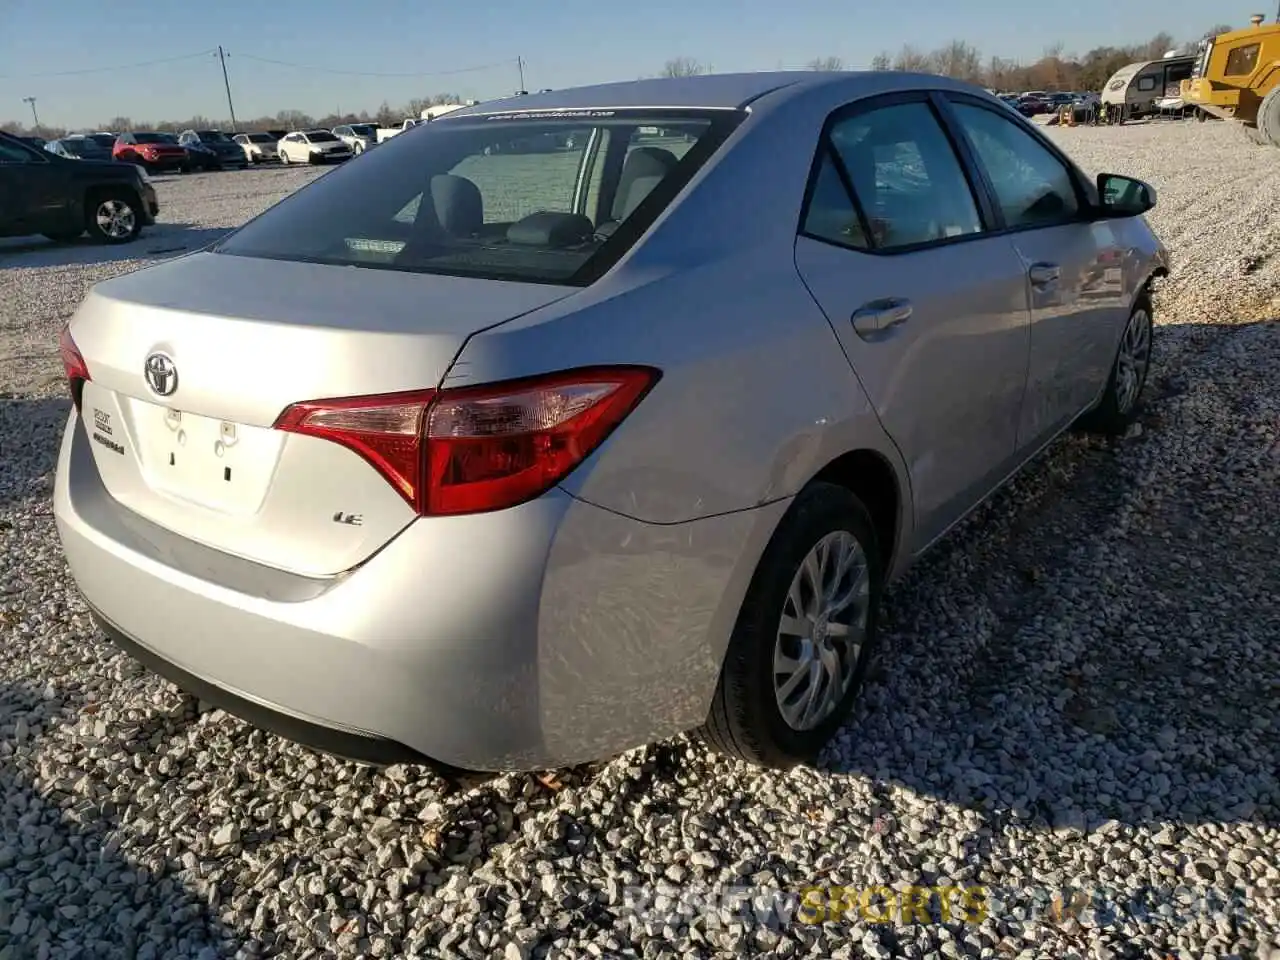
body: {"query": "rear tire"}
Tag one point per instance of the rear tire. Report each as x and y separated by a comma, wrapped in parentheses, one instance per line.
(113, 216)
(1122, 400)
(826, 535)
(1269, 117)
(284, 158)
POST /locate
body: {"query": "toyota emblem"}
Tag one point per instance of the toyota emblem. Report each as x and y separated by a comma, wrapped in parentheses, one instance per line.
(161, 374)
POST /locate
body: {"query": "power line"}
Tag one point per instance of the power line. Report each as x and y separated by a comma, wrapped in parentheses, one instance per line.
(121, 66)
(361, 73)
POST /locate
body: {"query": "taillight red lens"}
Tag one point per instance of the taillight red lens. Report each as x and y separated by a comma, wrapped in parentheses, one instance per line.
(385, 429)
(73, 365)
(484, 448)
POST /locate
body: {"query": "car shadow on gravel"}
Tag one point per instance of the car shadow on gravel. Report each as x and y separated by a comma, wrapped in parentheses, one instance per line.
(30, 434)
(63, 882)
(1107, 650)
(156, 242)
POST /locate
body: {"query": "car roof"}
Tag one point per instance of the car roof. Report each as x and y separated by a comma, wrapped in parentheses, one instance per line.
(725, 91)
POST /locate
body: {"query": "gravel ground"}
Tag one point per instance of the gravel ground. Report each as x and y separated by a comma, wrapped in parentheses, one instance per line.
(1076, 696)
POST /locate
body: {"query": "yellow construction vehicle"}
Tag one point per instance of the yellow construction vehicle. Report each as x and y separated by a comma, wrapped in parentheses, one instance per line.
(1237, 77)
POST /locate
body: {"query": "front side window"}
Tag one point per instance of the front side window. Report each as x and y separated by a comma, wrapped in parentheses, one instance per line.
(516, 196)
(905, 177)
(1032, 186)
(13, 153)
(1242, 61)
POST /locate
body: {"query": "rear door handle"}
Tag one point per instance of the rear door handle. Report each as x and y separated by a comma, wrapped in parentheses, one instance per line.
(880, 316)
(1043, 274)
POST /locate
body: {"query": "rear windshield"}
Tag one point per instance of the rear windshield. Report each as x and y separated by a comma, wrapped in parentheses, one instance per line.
(553, 197)
(153, 137)
(363, 129)
(213, 135)
(320, 136)
(261, 138)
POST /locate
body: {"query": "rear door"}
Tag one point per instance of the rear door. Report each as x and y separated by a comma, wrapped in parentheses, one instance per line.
(1071, 261)
(930, 309)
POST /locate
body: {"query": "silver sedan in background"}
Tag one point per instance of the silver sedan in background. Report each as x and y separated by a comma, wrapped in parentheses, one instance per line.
(567, 423)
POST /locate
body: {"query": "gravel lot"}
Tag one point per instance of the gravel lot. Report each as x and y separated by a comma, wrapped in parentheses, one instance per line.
(1077, 692)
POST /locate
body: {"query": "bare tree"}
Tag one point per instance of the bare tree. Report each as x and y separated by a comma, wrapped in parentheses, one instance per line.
(826, 63)
(911, 60)
(882, 61)
(959, 60)
(1216, 30)
(683, 67)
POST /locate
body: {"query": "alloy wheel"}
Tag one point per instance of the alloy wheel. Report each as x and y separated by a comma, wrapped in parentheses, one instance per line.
(821, 631)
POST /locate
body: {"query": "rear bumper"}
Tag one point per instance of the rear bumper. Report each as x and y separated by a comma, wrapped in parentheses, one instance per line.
(545, 635)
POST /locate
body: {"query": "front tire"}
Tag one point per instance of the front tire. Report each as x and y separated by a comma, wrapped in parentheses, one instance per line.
(284, 158)
(1122, 400)
(113, 216)
(1269, 117)
(804, 636)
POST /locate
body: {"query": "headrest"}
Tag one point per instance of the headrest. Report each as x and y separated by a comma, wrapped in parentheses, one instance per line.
(547, 229)
(459, 206)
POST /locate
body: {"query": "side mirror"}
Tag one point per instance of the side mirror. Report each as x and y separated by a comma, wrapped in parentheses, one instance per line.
(1120, 196)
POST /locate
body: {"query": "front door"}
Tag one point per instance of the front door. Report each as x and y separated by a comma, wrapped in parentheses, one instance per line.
(930, 310)
(1071, 262)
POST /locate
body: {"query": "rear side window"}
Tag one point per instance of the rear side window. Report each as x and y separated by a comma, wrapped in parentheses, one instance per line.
(551, 197)
(889, 179)
(1032, 186)
(1242, 61)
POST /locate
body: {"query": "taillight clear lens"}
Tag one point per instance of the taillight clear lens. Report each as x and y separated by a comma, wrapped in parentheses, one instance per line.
(480, 448)
(73, 365)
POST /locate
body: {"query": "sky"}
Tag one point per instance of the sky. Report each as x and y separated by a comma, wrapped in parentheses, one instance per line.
(336, 48)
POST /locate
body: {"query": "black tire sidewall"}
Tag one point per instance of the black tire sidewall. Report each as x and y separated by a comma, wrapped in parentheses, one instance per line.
(820, 509)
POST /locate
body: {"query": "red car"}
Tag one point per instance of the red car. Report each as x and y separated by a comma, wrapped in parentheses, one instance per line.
(153, 151)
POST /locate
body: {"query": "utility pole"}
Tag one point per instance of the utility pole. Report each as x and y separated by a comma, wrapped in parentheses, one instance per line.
(222, 57)
(520, 67)
(34, 116)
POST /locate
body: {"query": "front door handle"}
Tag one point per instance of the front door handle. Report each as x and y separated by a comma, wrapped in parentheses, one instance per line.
(880, 316)
(1043, 274)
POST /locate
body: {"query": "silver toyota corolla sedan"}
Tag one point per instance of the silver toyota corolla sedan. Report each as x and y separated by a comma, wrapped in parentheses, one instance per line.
(571, 422)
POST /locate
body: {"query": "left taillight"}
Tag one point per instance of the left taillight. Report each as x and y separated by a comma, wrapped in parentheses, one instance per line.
(73, 365)
(478, 449)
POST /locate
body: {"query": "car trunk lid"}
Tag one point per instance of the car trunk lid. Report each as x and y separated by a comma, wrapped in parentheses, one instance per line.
(193, 361)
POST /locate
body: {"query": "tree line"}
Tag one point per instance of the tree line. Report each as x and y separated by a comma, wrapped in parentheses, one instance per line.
(1055, 70)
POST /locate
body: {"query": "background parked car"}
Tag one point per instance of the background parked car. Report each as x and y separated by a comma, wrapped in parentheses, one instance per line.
(42, 192)
(79, 148)
(223, 150)
(358, 136)
(37, 142)
(257, 147)
(156, 152)
(312, 146)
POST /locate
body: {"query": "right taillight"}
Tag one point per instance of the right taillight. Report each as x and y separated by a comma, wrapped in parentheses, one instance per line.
(477, 449)
(73, 365)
